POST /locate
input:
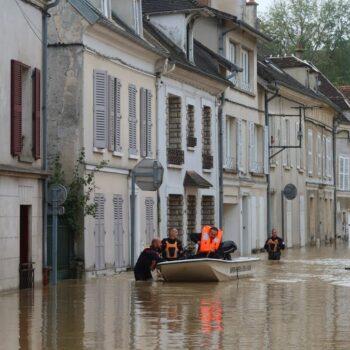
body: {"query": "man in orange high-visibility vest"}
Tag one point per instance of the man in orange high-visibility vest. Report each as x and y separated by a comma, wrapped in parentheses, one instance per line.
(210, 242)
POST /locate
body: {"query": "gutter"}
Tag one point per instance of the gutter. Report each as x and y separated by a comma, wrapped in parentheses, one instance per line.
(45, 15)
(221, 160)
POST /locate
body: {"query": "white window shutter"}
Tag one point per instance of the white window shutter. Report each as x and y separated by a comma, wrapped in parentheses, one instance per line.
(149, 123)
(341, 172)
(99, 201)
(100, 108)
(111, 113)
(309, 151)
(347, 170)
(132, 120)
(298, 150)
(149, 206)
(143, 122)
(118, 137)
(119, 232)
(239, 145)
(319, 155)
(266, 151)
(252, 160)
(284, 142)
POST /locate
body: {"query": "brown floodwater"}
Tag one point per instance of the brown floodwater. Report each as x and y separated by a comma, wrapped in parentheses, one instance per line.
(301, 302)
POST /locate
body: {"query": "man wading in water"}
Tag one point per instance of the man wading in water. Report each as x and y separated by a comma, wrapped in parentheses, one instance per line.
(274, 245)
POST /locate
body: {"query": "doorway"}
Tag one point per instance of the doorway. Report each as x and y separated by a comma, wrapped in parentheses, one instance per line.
(26, 271)
(246, 236)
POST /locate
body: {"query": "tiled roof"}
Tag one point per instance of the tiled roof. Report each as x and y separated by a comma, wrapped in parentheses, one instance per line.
(345, 89)
(292, 62)
(157, 6)
(333, 93)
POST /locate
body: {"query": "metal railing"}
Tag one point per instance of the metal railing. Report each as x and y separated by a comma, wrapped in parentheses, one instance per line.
(175, 156)
(191, 142)
(207, 161)
(230, 163)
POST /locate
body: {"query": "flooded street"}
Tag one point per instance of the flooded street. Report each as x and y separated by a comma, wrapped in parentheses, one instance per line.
(302, 302)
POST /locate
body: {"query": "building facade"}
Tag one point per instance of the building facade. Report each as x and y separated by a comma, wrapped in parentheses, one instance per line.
(105, 104)
(21, 174)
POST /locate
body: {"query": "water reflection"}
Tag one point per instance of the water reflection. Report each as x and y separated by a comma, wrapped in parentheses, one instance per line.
(302, 302)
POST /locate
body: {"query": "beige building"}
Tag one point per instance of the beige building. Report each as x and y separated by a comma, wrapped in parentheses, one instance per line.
(301, 126)
(102, 99)
(21, 174)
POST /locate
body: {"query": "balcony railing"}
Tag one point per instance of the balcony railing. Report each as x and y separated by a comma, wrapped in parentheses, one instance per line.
(191, 142)
(207, 161)
(230, 163)
(176, 156)
(246, 86)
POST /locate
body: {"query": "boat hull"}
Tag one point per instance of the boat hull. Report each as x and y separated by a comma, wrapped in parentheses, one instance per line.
(207, 270)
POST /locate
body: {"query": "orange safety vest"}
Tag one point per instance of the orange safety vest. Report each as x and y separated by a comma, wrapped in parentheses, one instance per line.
(169, 245)
(206, 244)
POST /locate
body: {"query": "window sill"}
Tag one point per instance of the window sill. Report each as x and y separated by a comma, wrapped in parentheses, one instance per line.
(134, 157)
(207, 171)
(287, 167)
(99, 150)
(118, 154)
(26, 159)
(174, 166)
(301, 171)
(191, 149)
(273, 165)
(230, 171)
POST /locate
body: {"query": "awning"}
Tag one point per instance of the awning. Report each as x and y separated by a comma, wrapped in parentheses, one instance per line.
(193, 179)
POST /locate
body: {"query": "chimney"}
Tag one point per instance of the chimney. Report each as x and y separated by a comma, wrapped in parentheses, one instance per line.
(232, 7)
(251, 13)
(299, 50)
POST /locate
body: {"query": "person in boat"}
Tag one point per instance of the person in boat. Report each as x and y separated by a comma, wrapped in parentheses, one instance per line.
(209, 245)
(274, 245)
(148, 261)
(172, 247)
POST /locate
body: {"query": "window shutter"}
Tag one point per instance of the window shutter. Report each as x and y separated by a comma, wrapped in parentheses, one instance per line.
(239, 145)
(99, 200)
(100, 108)
(118, 116)
(266, 151)
(149, 123)
(298, 150)
(329, 157)
(118, 231)
(36, 113)
(346, 171)
(143, 122)
(252, 160)
(132, 120)
(341, 172)
(309, 152)
(149, 205)
(111, 113)
(319, 155)
(16, 108)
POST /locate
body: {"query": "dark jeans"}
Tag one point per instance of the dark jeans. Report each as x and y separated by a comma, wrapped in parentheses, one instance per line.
(274, 255)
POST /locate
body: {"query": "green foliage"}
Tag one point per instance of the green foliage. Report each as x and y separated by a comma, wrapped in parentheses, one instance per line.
(320, 27)
(80, 190)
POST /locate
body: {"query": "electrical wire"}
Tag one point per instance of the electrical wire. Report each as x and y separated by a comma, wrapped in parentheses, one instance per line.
(30, 24)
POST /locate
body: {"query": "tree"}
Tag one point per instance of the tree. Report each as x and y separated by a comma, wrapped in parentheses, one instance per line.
(320, 27)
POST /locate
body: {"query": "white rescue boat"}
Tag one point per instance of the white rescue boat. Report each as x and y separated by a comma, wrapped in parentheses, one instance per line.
(207, 270)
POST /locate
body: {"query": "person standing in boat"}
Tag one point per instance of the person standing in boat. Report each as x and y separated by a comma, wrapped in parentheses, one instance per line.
(209, 245)
(172, 247)
(274, 245)
(148, 261)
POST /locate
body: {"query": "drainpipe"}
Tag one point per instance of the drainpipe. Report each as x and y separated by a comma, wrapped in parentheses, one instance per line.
(45, 15)
(335, 125)
(221, 161)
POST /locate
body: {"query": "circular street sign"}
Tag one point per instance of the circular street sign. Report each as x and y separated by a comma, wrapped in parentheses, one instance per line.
(290, 191)
(57, 194)
(148, 174)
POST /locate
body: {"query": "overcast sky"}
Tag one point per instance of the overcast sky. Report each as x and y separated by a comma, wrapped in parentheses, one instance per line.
(264, 4)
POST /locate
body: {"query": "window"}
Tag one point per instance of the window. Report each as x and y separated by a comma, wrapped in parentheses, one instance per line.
(137, 6)
(310, 160)
(344, 163)
(232, 52)
(241, 145)
(104, 6)
(245, 77)
(319, 155)
(256, 148)
(208, 210)
(206, 138)
(329, 161)
(286, 154)
(191, 139)
(230, 144)
(25, 111)
(146, 122)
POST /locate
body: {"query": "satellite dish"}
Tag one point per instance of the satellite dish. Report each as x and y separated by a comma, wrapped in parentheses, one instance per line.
(290, 192)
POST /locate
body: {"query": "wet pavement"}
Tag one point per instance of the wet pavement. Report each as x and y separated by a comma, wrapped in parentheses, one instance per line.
(301, 302)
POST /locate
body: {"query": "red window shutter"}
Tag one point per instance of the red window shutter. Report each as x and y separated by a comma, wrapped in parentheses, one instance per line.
(16, 108)
(36, 113)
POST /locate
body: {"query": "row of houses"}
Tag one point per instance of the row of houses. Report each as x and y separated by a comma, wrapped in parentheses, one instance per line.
(180, 82)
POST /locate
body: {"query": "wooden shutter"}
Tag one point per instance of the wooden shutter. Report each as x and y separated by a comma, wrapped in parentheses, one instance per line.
(309, 152)
(118, 116)
(143, 122)
(298, 150)
(284, 142)
(346, 173)
(119, 232)
(100, 108)
(149, 123)
(36, 113)
(99, 200)
(254, 217)
(319, 155)
(16, 108)
(111, 113)
(302, 221)
(266, 150)
(329, 157)
(132, 120)
(252, 158)
(262, 224)
(239, 145)
(149, 205)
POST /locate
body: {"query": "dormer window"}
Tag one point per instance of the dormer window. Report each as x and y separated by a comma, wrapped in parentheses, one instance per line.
(137, 8)
(104, 6)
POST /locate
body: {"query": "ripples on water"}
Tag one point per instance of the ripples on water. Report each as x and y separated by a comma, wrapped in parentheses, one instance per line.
(302, 302)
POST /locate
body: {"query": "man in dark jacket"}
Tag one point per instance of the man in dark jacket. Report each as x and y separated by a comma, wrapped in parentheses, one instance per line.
(148, 261)
(274, 245)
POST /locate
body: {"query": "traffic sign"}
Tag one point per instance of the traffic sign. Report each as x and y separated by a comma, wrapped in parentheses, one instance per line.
(57, 195)
(290, 191)
(148, 174)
